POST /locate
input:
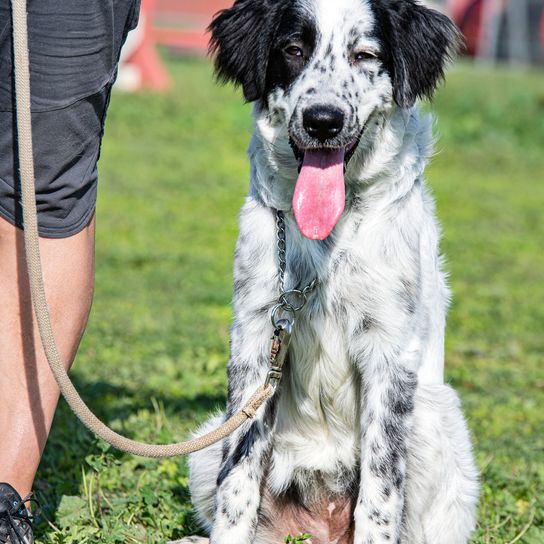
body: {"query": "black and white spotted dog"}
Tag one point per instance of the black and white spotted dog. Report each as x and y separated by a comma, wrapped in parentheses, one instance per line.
(363, 443)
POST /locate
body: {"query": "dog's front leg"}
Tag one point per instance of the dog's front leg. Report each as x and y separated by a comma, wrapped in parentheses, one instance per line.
(245, 452)
(240, 477)
(389, 388)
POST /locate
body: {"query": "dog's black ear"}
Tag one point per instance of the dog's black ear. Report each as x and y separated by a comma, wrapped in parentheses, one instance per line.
(420, 41)
(241, 41)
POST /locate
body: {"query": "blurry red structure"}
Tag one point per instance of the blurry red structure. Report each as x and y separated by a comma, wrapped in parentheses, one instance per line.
(510, 30)
(180, 25)
(468, 16)
(141, 57)
(177, 24)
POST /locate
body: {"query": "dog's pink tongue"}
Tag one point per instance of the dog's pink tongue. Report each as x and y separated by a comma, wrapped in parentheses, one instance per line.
(320, 195)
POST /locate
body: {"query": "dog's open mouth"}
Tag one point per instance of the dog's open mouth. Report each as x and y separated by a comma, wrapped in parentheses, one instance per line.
(348, 153)
(320, 195)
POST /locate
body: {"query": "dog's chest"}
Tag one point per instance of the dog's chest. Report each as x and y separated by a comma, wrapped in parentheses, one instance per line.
(321, 365)
(318, 413)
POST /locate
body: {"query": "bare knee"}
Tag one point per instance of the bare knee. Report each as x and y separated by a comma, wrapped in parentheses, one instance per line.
(68, 270)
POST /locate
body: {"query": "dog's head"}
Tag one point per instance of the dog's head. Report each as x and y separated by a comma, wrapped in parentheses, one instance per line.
(321, 69)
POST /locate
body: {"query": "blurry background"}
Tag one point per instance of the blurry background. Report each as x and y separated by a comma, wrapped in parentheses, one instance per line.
(510, 31)
(173, 177)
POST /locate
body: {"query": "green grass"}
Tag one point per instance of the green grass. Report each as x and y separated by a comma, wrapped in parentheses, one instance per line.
(173, 176)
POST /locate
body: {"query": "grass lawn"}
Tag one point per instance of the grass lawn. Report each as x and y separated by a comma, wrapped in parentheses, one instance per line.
(173, 176)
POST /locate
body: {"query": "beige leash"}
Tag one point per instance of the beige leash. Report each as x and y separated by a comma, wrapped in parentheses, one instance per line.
(32, 248)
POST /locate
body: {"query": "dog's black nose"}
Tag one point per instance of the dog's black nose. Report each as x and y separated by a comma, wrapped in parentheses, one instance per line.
(323, 122)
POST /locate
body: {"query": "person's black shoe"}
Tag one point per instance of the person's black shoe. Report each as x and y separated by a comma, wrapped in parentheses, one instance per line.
(15, 521)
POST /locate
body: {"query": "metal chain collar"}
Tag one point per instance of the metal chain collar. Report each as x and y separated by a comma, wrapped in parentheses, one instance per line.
(285, 311)
(291, 301)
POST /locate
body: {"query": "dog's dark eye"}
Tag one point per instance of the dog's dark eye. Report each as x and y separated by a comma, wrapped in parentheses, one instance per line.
(294, 51)
(361, 56)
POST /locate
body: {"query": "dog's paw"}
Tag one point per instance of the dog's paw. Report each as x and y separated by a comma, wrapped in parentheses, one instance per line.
(191, 540)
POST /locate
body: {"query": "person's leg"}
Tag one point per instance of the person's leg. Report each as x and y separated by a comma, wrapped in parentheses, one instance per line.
(28, 392)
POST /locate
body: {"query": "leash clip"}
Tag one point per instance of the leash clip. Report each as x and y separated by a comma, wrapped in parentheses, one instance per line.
(278, 352)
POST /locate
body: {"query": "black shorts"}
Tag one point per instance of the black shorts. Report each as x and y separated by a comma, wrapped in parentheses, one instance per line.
(74, 51)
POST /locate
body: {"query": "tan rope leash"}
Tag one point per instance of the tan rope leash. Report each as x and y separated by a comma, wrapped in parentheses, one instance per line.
(35, 274)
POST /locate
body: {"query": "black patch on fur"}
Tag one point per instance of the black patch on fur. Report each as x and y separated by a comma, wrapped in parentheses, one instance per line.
(294, 27)
(226, 468)
(243, 449)
(399, 480)
(233, 516)
(245, 445)
(241, 40)
(248, 42)
(409, 295)
(380, 470)
(402, 392)
(417, 42)
(364, 325)
(378, 518)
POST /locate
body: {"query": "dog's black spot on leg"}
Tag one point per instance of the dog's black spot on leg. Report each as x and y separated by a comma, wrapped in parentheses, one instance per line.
(401, 397)
(226, 469)
(364, 325)
(242, 450)
(409, 295)
(398, 482)
(402, 406)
